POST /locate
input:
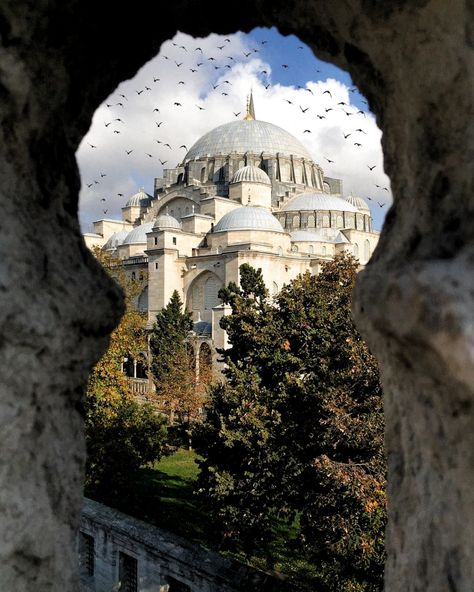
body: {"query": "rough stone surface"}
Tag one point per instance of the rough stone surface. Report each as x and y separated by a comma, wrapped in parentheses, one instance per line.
(414, 302)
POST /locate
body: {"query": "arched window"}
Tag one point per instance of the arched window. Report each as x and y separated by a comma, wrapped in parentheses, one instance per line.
(222, 174)
(142, 304)
(180, 178)
(326, 221)
(324, 250)
(211, 171)
(203, 174)
(280, 251)
(356, 251)
(133, 276)
(311, 221)
(339, 221)
(311, 249)
(294, 249)
(366, 250)
(211, 289)
(187, 210)
(296, 221)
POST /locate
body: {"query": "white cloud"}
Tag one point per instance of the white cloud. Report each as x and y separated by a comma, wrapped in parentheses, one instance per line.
(183, 124)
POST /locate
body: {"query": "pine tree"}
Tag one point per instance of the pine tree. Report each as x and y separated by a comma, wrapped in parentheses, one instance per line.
(173, 361)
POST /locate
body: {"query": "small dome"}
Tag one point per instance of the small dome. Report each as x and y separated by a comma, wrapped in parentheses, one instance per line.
(140, 198)
(116, 240)
(248, 218)
(318, 201)
(251, 174)
(358, 202)
(138, 235)
(166, 221)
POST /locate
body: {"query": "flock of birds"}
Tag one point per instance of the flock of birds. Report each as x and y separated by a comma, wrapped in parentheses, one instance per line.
(317, 108)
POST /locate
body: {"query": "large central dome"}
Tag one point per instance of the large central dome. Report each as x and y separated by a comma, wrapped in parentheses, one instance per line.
(247, 136)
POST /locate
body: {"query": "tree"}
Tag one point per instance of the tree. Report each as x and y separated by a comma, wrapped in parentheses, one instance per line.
(121, 433)
(173, 362)
(297, 429)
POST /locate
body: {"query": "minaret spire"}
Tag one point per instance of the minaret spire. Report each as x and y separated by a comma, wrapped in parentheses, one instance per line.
(250, 115)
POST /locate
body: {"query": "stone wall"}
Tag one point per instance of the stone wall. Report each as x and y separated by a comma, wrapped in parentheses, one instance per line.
(109, 542)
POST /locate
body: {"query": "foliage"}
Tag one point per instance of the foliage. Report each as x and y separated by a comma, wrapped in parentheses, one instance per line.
(296, 432)
(179, 390)
(121, 434)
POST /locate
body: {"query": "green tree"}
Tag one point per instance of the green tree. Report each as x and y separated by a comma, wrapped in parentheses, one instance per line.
(173, 362)
(297, 429)
(121, 433)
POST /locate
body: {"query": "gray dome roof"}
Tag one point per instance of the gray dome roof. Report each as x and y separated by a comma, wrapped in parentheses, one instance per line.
(358, 202)
(248, 218)
(116, 240)
(138, 235)
(251, 174)
(318, 201)
(139, 199)
(166, 221)
(247, 136)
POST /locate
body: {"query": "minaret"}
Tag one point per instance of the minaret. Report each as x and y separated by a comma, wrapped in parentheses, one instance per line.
(250, 115)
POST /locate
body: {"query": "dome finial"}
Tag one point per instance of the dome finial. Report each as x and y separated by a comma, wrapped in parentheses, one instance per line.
(250, 115)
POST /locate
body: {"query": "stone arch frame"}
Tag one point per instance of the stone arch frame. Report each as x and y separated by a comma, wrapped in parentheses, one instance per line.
(203, 275)
(421, 265)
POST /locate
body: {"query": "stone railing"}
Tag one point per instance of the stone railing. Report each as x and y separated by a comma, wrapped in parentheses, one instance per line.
(118, 552)
(140, 386)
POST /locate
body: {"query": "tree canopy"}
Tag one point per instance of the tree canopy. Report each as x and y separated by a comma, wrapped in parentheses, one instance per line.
(296, 431)
(122, 434)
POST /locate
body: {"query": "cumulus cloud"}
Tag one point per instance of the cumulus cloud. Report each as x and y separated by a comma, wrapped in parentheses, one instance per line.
(140, 128)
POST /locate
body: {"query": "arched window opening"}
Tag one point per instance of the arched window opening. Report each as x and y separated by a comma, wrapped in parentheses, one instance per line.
(367, 250)
(311, 249)
(180, 178)
(203, 175)
(294, 249)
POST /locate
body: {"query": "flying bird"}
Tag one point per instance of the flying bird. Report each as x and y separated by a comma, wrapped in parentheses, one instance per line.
(139, 92)
(192, 70)
(156, 109)
(200, 108)
(183, 146)
(149, 155)
(247, 54)
(381, 204)
(198, 49)
(92, 145)
(159, 124)
(225, 94)
(361, 130)
(103, 175)
(342, 103)
(329, 159)
(177, 104)
(346, 135)
(320, 116)
(266, 86)
(103, 199)
(221, 47)
(147, 88)
(285, 66)
(168, 146)
(118, 119)
(181, 82)
(89, 185)
(116, 132)
(156, 79)
(357, 144)
(107, 124)
(211, 59)
(329, 109)
(119, 104)
(162, 161)
(123, 97)
(128, 152)
(178, 64)
(237, 114)
(303, 110)
(309, 90)
(307, 132)
(289, 102)
(327, 92)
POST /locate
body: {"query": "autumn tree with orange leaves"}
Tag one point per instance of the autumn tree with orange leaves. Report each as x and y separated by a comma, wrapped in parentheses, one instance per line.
(122, 434)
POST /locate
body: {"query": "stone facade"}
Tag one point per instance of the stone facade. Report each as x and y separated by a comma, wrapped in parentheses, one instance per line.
(117, 551)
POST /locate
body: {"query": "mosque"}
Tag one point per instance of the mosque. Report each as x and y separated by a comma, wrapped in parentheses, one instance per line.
(246, 192)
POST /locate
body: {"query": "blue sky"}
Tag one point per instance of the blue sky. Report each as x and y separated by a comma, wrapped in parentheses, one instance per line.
(336, 125)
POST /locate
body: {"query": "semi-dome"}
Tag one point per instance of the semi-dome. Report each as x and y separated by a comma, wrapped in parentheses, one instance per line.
(318, 236)
(140, 198)
(358, 202)
(138, 235)
(319, 201)
(248, 218)
(166, 221)
(116, 240)
(251, 174)
(247, 136)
